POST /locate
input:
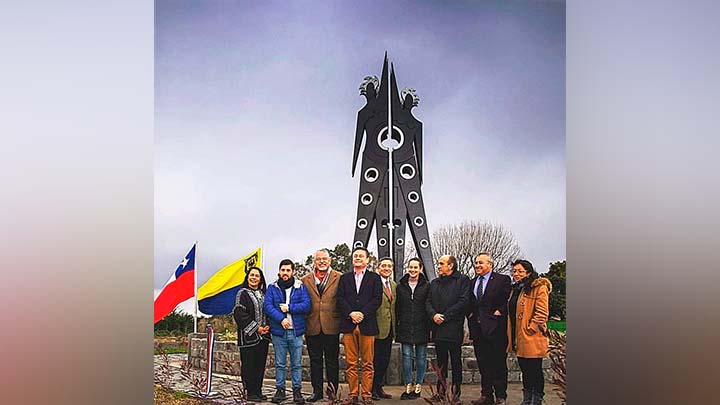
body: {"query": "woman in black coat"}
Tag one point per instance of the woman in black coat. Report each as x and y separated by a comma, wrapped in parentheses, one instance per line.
(413, 326)
(253, 332)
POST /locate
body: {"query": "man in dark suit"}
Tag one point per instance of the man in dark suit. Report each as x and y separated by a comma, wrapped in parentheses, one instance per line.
(358, 298)
(445, 306)
(487, 321)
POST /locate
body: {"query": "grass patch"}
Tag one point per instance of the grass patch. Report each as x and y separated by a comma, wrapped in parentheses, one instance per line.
(172, 350)
(179, 395)
(559, 326)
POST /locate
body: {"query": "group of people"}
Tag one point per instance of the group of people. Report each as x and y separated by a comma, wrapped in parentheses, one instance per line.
(371, 311)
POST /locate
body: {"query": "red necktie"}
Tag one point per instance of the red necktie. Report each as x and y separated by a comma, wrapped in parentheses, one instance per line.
(388, 290)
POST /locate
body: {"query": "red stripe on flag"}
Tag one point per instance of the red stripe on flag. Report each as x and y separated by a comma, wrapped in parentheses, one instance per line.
(173, 294)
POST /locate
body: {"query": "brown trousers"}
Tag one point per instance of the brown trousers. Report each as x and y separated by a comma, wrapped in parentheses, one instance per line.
(358, 345)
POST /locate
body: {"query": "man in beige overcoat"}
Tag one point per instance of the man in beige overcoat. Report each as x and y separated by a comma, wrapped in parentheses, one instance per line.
(322, 324)
(386, 325)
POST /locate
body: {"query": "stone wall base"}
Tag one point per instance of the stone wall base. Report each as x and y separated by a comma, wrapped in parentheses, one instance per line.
(227, 359)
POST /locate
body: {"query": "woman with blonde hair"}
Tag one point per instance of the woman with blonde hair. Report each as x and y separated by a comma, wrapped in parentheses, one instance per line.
(527, 329)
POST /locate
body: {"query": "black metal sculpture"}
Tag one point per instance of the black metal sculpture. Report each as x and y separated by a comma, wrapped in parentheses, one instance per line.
(401, 151)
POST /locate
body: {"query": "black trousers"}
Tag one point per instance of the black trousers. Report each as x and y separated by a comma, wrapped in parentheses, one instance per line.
(252, 369)
(442, 349)
(381, 360)
(532, 374)
(327, 346)
(491, 356)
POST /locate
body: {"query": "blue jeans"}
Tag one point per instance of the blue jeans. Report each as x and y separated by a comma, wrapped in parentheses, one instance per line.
(288, 343)
(407, 362)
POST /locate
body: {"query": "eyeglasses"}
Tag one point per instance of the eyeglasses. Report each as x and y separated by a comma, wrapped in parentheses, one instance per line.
(322, 259)
(519, 271)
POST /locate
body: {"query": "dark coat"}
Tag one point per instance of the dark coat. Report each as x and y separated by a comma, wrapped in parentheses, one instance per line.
(413, 325)
(366, 301)
(481, 319)
(448, 296)
(248, 318)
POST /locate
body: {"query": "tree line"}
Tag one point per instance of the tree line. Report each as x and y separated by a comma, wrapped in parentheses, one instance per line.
(464, 241)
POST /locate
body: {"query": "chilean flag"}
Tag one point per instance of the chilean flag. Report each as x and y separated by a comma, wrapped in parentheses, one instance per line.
(180, 287)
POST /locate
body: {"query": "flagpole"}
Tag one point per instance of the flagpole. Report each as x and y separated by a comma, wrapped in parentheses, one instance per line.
(195, 315)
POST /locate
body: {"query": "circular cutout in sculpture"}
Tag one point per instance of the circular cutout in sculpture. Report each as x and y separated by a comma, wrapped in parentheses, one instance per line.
(366, 199)
(407, 171)
(371, 174)
(396, 141)
(413, 197)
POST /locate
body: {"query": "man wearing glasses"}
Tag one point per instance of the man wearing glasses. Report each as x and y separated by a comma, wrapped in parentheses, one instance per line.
(487, 321)
(323, 324)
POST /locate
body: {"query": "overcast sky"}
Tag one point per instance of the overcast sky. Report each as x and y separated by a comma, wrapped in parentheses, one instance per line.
(256, 105)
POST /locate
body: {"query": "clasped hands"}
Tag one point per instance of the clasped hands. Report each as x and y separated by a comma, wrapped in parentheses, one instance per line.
(285, 322)
(357, 317)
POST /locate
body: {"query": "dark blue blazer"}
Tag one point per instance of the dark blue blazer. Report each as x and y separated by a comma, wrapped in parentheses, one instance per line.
(481, 319)
(366, 301)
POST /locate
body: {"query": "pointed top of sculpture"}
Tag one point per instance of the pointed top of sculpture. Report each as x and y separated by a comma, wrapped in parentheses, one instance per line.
(382, 94)
(393, 85)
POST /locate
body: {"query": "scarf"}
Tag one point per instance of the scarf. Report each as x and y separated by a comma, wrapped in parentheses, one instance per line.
(323, 281)
(284, 285)
(517, 287)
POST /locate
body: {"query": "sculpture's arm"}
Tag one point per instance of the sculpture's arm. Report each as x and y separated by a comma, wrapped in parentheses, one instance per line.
(359, 132)
(419, 151)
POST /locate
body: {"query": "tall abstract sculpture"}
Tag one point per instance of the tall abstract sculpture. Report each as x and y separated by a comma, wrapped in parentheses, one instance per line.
(391, 171)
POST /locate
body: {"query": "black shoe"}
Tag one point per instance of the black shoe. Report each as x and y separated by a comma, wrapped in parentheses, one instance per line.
(375, 396)
(315, 397)
(263, 397)
(254, 398)
(484, 400)
(297, 396)
(406, 395)
(382, 394)
(537, 398)
(279, 396)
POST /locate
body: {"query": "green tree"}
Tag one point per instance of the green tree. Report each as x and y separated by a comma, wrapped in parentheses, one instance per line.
(556, 275)
(175, 323)
(340, 260)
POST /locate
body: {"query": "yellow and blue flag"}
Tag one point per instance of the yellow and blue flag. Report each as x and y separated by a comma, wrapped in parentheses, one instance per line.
(217, 295)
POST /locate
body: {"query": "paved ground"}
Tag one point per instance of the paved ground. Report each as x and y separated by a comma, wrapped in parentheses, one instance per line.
(222, 387)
